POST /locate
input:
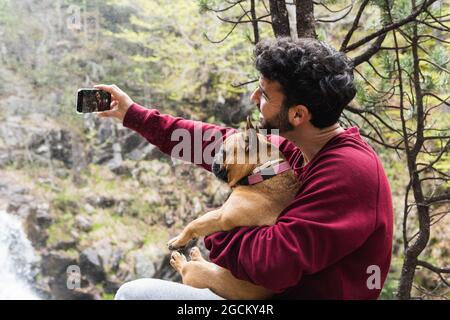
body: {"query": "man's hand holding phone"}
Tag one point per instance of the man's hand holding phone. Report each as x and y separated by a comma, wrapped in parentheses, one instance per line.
(120, 102)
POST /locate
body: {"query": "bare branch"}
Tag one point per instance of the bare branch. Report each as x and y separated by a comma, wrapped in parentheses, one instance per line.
(391, 26)
(434, 27)
(331, 10)
(436, 20)
(394, 48)
(350, 7)
(224, 38)
(365, 135)
(358, 112)
(435, 178)
(376, 71)
(265, 6)
(349, 34)
(441, 216)
(436, 138)
(437, 270)
(444, 101)
(239, 20)
(433, 38)
(385, 93)
(373, 49)
(223, 9)
(426, 293)
(441, 198)
(436, 65)
(244, 83)
(443, 151)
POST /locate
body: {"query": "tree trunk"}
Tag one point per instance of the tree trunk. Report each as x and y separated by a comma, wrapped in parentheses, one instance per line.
(412, 252)
(280, 18)
(254, 22)
(306, 23)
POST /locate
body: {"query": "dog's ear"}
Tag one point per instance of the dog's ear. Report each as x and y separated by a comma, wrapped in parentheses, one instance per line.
(246, 141)
(250, 135)
(246, 135)
(249, 124)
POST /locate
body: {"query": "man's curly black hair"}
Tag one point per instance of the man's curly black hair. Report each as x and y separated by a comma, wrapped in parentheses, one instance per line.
(311, 73)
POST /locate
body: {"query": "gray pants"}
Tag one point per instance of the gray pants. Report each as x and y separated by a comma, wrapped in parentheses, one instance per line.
(156, 289)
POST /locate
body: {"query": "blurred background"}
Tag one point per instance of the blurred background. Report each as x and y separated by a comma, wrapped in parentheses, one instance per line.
(80, 193)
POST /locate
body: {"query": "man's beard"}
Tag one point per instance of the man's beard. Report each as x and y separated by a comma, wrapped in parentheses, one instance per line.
(278, 124)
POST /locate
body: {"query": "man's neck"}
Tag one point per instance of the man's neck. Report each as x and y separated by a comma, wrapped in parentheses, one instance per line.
(310, 140)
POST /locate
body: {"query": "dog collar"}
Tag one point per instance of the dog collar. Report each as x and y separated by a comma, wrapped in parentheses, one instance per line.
(262, 173)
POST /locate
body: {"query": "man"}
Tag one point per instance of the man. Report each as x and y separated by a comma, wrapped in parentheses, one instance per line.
(334, 240)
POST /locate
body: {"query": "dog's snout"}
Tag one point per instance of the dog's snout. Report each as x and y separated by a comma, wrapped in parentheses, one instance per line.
(218, 168)
(220, 171)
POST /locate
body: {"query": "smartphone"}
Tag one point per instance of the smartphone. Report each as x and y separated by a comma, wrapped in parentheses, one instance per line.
(93, 100)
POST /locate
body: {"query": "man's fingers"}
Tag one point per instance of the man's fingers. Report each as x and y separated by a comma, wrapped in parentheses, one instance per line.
(114, 104)
(107, 113)
(113, 89)
(104, 87)
(104, 114)
(119, 104)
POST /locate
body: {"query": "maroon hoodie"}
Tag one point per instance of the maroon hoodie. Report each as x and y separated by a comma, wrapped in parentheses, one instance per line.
(334, 241)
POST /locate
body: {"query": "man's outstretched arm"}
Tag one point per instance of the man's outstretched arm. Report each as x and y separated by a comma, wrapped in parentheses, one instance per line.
(180, 138)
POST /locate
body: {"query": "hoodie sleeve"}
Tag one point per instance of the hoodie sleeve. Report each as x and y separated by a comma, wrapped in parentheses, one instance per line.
(188, 140)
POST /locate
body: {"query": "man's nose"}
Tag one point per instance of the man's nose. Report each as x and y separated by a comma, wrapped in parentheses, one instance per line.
(255, 97)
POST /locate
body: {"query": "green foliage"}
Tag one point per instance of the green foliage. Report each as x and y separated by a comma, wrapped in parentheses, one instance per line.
(60, 229)
(440, 56)
(107, 296)
(165, 38)
(66, 202)
(401, 9)
(204, 5)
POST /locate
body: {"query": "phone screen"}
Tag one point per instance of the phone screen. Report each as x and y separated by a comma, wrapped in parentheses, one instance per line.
(93, 100)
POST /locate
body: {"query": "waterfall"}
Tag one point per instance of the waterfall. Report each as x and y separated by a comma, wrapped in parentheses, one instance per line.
(17, 260)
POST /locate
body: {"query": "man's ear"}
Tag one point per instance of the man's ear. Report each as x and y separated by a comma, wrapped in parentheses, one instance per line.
(299, 115)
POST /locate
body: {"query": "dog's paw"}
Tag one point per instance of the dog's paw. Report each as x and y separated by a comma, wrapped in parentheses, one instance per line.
(177, 243)
(177, 261)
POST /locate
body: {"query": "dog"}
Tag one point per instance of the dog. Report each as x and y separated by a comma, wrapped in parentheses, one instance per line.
(261, 189)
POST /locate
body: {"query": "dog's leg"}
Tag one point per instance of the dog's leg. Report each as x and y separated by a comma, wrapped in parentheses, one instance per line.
(209, 223)
(239, 210)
